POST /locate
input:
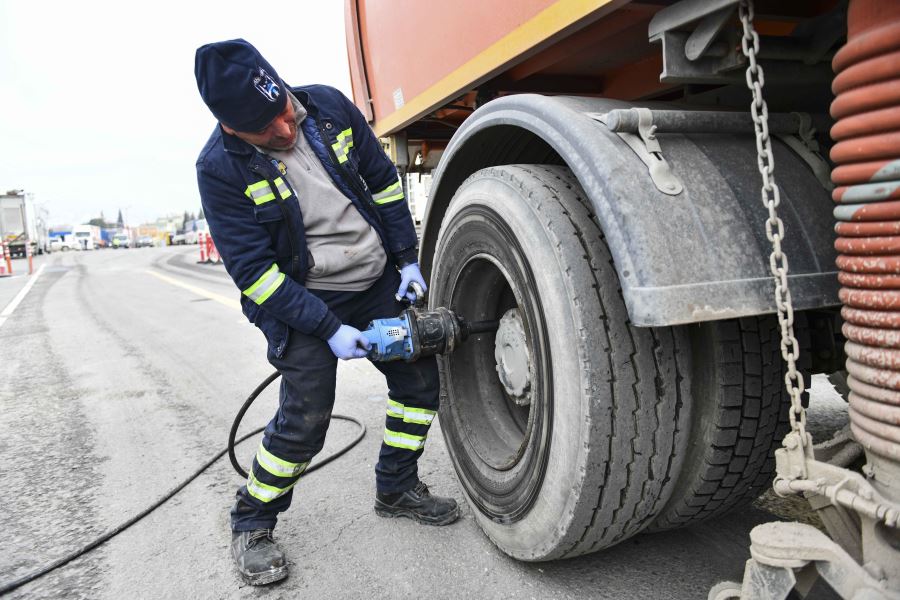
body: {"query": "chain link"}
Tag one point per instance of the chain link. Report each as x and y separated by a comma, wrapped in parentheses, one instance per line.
(771, 198)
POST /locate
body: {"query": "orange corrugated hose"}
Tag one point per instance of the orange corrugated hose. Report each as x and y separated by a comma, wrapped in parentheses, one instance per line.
(867, 175)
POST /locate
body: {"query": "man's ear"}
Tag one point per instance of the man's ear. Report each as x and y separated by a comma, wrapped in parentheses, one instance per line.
(227, 129)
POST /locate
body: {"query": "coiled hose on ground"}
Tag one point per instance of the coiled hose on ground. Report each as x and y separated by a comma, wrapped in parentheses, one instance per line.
(12, 585)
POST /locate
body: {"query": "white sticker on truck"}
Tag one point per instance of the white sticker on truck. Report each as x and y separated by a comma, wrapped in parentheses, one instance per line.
(398, 99)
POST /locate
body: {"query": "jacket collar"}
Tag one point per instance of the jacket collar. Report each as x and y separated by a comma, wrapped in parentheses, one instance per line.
(236, 145)
(233, 143)
(305, 99)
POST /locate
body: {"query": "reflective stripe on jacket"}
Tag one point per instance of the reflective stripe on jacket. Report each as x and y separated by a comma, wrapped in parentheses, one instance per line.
(256, 221)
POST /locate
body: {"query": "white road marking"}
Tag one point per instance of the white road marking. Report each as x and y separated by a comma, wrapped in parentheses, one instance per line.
(20, 296)
(199, 291)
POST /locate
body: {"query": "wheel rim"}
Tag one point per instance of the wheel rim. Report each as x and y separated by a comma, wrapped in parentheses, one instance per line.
(499, 444)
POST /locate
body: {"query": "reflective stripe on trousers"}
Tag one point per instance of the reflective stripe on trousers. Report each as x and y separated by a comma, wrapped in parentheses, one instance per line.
(409, 414)
(264, 492)
(278, 466)
(407, 441)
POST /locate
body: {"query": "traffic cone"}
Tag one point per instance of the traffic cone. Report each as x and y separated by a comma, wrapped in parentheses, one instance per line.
(201, 241)
(5, 260)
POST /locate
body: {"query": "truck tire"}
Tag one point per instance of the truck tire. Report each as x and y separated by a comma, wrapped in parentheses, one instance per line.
(739, 417)
(586, 451)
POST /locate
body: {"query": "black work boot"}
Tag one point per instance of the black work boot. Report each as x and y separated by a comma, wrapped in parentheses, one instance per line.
(418, 504)
(258, 558)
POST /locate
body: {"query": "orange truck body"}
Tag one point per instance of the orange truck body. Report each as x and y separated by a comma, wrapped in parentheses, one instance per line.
(411, 59)
(408, 58)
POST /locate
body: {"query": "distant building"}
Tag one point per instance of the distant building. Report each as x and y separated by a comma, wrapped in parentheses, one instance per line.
(148, 230)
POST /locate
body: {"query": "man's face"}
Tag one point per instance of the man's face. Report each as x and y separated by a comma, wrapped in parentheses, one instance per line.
(280, 134)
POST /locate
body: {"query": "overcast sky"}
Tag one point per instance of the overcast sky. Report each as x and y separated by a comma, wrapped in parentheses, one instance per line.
(100, 109)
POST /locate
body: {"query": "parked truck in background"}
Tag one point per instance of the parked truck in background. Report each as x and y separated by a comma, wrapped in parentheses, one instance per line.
(21, 222)
(596, 187)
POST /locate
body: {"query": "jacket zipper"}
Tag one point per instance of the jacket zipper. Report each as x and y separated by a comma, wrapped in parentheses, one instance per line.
(295, 257)
(354, 184)
(361, 194)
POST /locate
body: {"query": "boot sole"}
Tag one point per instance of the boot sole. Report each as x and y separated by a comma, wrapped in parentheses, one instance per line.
(391, 513)
(266, 577)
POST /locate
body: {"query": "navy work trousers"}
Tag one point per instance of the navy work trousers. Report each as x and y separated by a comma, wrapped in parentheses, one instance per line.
(297, 432)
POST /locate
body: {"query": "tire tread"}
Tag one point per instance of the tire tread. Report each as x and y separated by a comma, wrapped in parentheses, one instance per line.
(633, 479)
(750, 421)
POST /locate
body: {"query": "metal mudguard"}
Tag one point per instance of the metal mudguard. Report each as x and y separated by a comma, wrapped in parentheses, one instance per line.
(699, 255)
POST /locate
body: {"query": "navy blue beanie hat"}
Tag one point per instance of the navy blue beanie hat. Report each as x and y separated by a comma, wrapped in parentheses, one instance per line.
(238, 85)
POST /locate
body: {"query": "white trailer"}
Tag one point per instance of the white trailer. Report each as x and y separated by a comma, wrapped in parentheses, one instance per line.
(21, 221)
(87, 236)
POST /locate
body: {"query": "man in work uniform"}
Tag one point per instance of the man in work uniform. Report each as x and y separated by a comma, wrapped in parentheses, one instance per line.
(310, 219)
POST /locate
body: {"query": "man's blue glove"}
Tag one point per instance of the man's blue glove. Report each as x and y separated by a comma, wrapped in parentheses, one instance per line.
(347, 343)
(408, 275)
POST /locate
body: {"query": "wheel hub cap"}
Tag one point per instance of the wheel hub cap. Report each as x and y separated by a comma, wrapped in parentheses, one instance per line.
(513, 358)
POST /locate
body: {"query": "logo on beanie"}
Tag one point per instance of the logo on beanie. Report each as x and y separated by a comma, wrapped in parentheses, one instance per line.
(266, 85)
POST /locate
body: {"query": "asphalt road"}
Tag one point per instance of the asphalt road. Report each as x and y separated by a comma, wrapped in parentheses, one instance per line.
(121, 372)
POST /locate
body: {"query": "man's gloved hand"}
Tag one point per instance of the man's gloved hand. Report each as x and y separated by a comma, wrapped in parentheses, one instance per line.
(409, 274)
(347, 343)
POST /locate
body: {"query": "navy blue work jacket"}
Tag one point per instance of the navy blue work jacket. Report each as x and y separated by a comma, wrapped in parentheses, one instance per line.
(255, 219)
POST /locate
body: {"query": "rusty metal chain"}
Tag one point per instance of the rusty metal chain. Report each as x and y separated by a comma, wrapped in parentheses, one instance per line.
(778, 262)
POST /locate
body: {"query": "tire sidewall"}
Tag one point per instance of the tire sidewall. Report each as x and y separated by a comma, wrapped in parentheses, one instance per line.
(536, 535)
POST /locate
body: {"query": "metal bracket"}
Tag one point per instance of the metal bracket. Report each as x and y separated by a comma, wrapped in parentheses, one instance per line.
(789, 555)
(707, 31)
(684, 13)
(688, 31)
(698, 46)
(639, 126)
(647, 148)
(855, 514)
(791, 460)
